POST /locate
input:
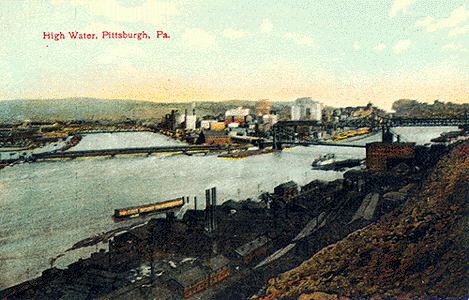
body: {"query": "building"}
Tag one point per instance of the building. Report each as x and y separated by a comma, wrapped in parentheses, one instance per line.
(197, 278)
(269, 121)
(217, 126)
(142, 289)
(213, 137)
(254, 249)
(129, 241)
(295, 113)
(236, 115)
(384, 156)
(192, 281)
(191, 122)
(316, 112)
(220, 267)
(286, 191)
(206, 124)
(306, 109)
(263, 107)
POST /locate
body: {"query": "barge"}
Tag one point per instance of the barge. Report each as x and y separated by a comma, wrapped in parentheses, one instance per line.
(147, 209)
(324, 160)
(246, 153)
(340, 165)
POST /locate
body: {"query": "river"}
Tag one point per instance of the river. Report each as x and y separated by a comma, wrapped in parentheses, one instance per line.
(48, 206)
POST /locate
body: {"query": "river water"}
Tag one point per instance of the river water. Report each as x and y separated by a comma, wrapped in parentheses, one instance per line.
(46, 207)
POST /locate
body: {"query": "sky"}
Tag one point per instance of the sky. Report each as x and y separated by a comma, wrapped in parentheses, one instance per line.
(339, 52)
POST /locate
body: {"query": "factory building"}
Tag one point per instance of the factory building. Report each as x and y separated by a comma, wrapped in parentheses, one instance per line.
(213, 137)
(207, 124)
(192, 281)
(220, 267)
(251, 251)
(199, 277)
(384, 156)
(236, 115)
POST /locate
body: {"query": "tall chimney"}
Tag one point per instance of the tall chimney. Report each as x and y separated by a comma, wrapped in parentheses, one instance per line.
(208, 211)
(214, 203)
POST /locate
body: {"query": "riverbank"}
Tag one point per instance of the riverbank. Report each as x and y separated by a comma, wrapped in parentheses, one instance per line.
(417, 250)
(321, 214)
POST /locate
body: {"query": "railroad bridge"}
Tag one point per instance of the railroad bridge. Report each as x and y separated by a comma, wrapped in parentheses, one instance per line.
(407, 122)
(286, 131)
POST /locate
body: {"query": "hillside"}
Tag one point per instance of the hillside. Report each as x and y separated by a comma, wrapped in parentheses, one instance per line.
(12, 111)
(419, 250)
(50, 110)
(413, 109)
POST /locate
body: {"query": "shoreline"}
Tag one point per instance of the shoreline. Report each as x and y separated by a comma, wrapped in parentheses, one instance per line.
(246, 212)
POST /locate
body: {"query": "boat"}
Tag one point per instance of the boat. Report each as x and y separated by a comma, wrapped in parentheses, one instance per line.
(339, 165)
(148, 209)
(325, 159)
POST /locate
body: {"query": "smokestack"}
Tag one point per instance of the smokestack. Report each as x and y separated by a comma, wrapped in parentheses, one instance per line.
(214, 203)
(387, 136)
(207, 211)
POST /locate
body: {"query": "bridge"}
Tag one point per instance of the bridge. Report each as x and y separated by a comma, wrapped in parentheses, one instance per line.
(285, 132)
(318, 143)
(407, 122)
(94, 131)
(387, 121)
(188, 150)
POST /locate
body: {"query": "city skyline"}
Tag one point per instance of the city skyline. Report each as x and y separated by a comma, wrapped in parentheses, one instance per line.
(344, 53)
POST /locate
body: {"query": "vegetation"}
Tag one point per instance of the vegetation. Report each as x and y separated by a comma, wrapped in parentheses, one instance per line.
(415, 109)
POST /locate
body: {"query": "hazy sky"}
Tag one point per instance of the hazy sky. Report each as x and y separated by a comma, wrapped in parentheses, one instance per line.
(344, 52)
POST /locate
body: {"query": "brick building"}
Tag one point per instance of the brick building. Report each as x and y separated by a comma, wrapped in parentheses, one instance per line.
(384, 156)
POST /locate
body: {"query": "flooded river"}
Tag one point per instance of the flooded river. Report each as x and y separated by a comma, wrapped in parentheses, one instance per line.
(46, 207)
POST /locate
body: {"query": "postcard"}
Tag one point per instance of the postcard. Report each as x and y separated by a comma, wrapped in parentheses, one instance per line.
(223, 149)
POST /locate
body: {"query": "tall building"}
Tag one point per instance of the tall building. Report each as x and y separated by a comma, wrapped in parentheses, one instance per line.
(236, 115)
(306, 109)
(295, 113)
(191, 122)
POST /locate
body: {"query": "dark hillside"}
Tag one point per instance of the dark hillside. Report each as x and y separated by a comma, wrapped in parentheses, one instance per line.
(418, 250)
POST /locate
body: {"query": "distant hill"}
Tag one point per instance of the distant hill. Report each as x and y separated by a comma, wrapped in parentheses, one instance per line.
(415, 109)
(50, 110)
(12, 111)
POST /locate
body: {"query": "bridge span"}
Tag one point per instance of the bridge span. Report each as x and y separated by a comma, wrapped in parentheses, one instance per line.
(188, 150)
(407, 122)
